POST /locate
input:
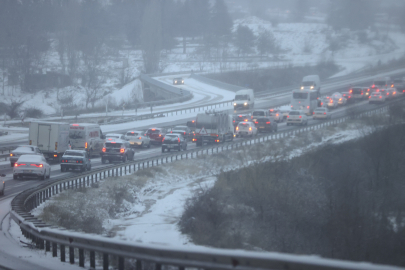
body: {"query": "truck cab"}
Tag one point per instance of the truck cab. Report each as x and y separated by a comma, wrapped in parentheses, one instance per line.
(244, 99)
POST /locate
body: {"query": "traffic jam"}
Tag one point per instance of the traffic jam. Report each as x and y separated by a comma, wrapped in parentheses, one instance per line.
(73, 146)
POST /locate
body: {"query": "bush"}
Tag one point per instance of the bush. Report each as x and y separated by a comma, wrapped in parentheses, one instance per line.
(33, 113)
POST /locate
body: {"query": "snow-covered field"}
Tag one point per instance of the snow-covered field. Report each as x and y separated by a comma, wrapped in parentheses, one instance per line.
(292, 38)
(159, 193)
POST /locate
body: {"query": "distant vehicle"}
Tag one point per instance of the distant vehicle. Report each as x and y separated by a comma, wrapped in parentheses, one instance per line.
(177, 81)
(113, 136)
(297, 117)
(266, 124)
(244, 99)
(52, 138)
(376, 97)
(321, 113)
(285, 110)
(137, 138)
(357, 93)
(175, 141)
(183, 130)
(23, 150)
(311, 82)
(379, 83)
(213, 127)
(332, 102)
(323, 101)
(156, 135)
(239, 118)
(391, 92)
(304, 100)
(3, 186)
(276, 114)
(366, 91)
(75, 159)
(2, 133)
(348, 96)
(32, 166)
(191, 125)
(117, 150)
(246, 129)
(338, 97)
(399, 84)
(258, 114)
(86, 137)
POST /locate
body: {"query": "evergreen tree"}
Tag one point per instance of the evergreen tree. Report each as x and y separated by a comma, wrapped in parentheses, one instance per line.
(244, 39)
(266, 43)
(220, 21)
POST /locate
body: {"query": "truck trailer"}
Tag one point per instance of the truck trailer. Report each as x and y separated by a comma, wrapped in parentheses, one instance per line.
(52, 138)
(213, 127)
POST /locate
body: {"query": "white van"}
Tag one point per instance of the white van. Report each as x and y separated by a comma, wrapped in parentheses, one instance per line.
(244, 99)
(311, 82)
(87, 137)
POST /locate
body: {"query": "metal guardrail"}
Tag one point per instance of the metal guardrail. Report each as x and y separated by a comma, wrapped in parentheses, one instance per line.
(50, 238)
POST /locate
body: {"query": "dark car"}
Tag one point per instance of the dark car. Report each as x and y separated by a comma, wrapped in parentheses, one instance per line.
(266, 124)
(156, 135)
(174, 141)
(177, 81)
(184, 130)
(75, 160)
(118, 150)
(240, 118)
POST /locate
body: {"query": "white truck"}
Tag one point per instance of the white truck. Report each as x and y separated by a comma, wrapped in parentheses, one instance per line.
(52, 138)
(88, 137)
(213, 127)
(244, 99)
(311, 82)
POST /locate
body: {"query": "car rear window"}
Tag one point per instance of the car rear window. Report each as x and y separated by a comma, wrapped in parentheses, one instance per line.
(171, 136)
(30, 158)
(71, 153)
(258, 113)
(154, 131)
(113, 145)
(132, 134)
(294, 113)
(320, 109)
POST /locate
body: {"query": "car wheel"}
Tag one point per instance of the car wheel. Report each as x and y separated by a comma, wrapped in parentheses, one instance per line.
(49, 174)
(43, 176)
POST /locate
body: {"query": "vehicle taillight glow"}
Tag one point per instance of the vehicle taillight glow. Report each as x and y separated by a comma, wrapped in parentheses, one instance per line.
(307, 107)
(237, 128)
(163, 140)
(380, 96)
(351, 91)
(324, 113)
(160, 135)
(245, 120)
(11, 154)
(122, 150)
(267, 123)
(55, 155)
(288, 116)
(373, 86)
(104, 149)
(139, 138)
(184, 133)
(37, 165)
(178, 139)
(256, 122)
(75, 125)
(313, 113)
(17, 165)
(277, 114)
(250, 128)
(300, 116)
(85, 145)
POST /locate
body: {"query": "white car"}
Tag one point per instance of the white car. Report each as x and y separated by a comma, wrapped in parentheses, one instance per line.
(33, 166)
(297, 117)
(137, 138)
(321, 113)
(277, 115)
(246, 129)
(23, 150)
(376, 97)
(112, 136)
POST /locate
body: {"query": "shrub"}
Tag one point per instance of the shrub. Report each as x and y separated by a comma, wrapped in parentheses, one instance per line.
(33, 112)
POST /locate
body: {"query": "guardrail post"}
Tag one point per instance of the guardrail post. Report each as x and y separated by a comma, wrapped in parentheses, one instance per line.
(71, 255)
(54, 250)
(138, 265)
(47, 246)
(105, 261)
(81, 257)
(62, 253)
(121, 261)
(92, 260)
(158, 266)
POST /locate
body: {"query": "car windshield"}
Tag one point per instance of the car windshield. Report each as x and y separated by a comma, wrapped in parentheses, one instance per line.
(24, 149)
(357, 90)
(113, 145)
(76, 134)
(258, 113)
(307, 83)
(72, 153)
(132, 134)
(294, 113)
(241, 97)
(300, 95)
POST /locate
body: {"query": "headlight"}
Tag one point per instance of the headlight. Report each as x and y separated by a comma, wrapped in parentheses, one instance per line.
(302, 87)
(245, 103)
(312, 87)
(234, 104)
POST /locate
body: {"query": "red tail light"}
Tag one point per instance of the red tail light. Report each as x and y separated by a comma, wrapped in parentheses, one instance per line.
(245, 120)
(373, 86)
(256, 122)
(307, 107)
(380, 96)
(237, 128)
(300, 116)
(178, 139)
(267, 123)
(184, 133)
(288, 116)
(139, 138)
(171, 131)
(251, 117)
(85, 145)
(321, 103)
(104, 149)
(369, 97)
(160, 135)
(277, 114)
(362, 93)
(55, 155)
(324, 113)
(388, 94)
(163, 140)
(351, 91)
(37, 165)
(351, 96)
(313, 113)
(122, 150)
(17, 165)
